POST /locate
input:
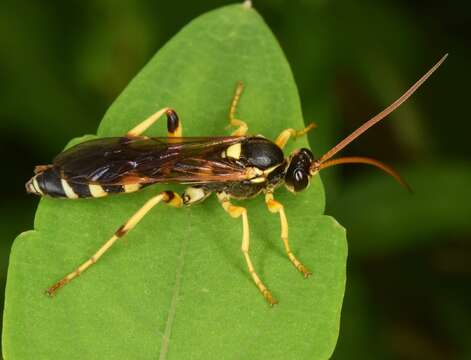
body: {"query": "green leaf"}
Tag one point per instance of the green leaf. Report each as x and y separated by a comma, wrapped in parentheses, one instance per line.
(177, 287)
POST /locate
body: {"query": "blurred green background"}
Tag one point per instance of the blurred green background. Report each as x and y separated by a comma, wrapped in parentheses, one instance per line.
(408, 291)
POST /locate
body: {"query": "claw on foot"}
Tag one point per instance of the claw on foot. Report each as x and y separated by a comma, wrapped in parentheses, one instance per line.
(52, 290)
(269, 297)
(305, 271)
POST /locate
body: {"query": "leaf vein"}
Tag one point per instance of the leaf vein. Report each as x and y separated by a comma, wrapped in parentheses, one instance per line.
(173, 304)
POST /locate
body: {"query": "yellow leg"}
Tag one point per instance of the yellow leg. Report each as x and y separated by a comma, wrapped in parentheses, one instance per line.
(275, 207)
(235, 212)
(168, 197)
(283, 138)
(174, 126)
(241, 125)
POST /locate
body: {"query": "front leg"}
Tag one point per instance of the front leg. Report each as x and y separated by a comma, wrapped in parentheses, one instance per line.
(242, 127)
(283, 138)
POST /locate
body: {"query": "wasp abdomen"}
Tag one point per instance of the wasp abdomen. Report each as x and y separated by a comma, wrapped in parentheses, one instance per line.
(50, 183)
(47, 182)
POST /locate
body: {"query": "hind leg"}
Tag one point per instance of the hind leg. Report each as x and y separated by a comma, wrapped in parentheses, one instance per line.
(174, 126)
(169, 197)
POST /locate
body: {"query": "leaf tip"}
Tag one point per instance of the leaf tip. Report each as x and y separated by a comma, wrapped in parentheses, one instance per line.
(335, 223)
(247, 4)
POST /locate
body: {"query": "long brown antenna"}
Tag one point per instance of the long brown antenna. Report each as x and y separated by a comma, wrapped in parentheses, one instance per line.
(364, 160)
(381, 115)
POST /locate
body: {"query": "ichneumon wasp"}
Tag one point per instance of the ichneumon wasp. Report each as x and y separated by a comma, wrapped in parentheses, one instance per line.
(237, 166)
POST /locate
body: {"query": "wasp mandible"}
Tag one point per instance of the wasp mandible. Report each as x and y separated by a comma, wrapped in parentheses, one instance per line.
(234, 167)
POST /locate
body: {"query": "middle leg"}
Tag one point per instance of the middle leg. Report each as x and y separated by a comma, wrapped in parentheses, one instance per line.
(275, 207)
(235, 212)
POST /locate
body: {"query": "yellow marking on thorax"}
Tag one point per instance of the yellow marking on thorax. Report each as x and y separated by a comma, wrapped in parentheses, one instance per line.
(259, 176)
(269, 170)
(131, 187)
(234, 151)
(97, 190)
(69, 192)
(252, 172)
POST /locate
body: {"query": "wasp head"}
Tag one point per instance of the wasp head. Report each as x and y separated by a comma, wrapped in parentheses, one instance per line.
(298, 174)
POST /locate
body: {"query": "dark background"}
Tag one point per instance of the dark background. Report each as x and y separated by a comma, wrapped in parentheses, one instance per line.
(408, 291)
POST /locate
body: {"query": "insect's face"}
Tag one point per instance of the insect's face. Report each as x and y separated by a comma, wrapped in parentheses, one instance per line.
(298, 175)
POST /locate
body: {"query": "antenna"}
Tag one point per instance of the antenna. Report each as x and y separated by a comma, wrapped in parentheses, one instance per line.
(379, 116)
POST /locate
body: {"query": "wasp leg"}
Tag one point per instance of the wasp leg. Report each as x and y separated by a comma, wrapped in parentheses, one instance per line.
(275, 207)
(235, 212)
(283, 138)
(242, 126)
(168, 197)
(174, 126)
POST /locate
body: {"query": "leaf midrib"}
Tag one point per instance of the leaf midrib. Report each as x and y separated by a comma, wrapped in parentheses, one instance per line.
(175, 295)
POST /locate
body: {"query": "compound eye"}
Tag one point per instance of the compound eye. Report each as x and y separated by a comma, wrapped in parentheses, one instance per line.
(300, 180)
(307, 155)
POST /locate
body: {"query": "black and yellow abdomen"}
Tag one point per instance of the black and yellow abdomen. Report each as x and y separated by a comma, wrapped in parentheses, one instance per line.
(50, 183)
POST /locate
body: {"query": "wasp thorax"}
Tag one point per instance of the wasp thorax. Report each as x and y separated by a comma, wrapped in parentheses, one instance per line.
(297, 176)
(261, 153)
